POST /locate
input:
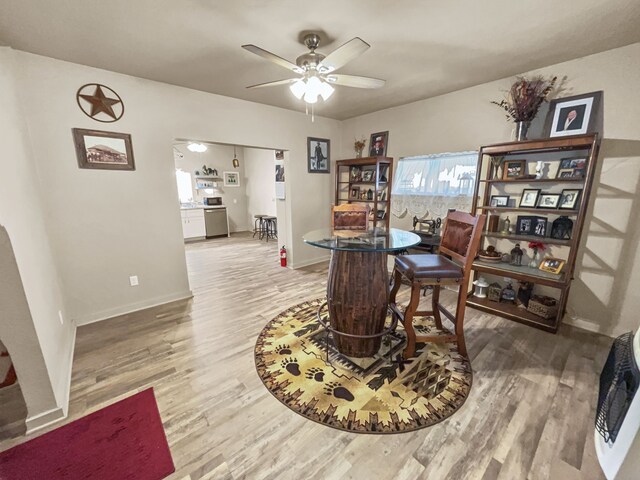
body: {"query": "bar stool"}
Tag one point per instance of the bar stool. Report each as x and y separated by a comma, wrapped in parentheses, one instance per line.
(460, 241)
(258, 226)
(270, 228)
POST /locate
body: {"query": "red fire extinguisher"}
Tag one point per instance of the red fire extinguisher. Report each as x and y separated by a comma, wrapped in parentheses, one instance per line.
(283, 257)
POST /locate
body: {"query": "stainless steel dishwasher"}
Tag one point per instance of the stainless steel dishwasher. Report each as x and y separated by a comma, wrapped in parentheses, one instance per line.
(215, 222)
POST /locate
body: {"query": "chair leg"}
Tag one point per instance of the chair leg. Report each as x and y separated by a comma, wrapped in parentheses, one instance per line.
(460, 309)
(435, 301)
(396, 277)
(410, 349)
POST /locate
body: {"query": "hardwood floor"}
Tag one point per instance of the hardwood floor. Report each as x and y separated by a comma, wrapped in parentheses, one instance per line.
(529, 415)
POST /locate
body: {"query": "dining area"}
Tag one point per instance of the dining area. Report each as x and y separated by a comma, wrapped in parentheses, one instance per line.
(361, 360)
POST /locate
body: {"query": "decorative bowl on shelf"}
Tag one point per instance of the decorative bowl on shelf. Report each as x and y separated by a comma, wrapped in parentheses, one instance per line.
(490, 255)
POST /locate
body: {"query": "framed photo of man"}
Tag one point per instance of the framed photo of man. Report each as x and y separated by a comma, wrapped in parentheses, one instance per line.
(318, 155)
(378, 144)
(575, 115)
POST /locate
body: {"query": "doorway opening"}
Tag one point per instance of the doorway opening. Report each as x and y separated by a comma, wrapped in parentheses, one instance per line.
(231, 194)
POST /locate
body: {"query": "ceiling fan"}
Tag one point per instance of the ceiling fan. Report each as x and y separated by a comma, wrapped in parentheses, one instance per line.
(315, 70)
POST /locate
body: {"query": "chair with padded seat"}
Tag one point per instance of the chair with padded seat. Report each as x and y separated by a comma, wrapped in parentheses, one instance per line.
(460, 241)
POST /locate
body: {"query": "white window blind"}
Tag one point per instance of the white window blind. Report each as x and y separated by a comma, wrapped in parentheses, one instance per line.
(432, 184)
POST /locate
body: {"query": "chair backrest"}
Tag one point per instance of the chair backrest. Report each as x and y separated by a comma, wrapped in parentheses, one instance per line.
(461, 237)
(350, 216)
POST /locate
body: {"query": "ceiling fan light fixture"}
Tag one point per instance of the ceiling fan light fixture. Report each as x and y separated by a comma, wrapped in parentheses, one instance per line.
(326, 91)
(298, 88)
(197, 147)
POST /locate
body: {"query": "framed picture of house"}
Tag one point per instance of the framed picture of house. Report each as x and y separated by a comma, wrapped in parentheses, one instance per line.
(101, 150)
(318, 159)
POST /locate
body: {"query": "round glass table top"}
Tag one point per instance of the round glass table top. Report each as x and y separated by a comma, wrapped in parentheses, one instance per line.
(376, 240)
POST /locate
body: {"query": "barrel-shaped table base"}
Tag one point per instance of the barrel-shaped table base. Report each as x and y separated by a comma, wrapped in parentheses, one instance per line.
(357, 299)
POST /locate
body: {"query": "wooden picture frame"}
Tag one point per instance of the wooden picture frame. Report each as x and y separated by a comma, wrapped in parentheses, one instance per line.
(552, 265)
(354, 193)
(526, 201)
(513, 169)
(586, 112)
(318, 155)
(378, 144)
(100, 150)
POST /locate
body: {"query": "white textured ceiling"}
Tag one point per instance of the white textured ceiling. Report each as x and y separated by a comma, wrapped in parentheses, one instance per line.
(422, 48)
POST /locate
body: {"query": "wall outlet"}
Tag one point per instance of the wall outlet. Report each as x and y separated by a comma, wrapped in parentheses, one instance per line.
(60, 317)
(133, 281)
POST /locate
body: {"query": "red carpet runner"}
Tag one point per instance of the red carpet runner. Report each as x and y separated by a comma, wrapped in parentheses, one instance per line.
(122, 441)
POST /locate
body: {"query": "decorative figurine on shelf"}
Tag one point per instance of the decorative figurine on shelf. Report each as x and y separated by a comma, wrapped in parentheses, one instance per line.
(481, 287)
(494, 291)
(516, 255)
(506, 226)
(508, 294)
(369, 194)
(209, 172)
(525, 290)
(538, 169)
(561, 228)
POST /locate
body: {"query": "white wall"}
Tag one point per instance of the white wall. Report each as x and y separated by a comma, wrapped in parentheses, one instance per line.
(30, 297)
(108, 225)
(260, 183)
(219, 157)
(604, 294)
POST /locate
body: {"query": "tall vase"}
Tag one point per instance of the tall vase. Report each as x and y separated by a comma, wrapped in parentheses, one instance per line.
(522, 128)
(535, 262)
(359, 153)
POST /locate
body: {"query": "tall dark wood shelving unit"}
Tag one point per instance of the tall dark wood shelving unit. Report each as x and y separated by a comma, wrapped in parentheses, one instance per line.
(380, 184)
(551, 150)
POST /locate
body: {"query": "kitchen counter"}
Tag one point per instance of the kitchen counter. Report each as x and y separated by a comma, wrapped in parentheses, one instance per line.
(200, 206)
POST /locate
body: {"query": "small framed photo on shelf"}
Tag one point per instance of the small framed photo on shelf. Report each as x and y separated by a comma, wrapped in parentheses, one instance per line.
(355, 174)
(513, 169)
(529, 198)
(525, 224)
(569, 198)
(552, 265)
(354, 193)
(573, 115)
(499, 201)
(540, 227)
(549, 200)
(367, 175)
(572, 168)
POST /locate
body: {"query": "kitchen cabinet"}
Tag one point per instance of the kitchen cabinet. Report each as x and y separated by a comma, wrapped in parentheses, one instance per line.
(193, 223)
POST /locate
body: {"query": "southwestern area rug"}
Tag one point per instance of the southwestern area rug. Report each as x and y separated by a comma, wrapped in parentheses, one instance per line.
(125, 440)
(361, 395)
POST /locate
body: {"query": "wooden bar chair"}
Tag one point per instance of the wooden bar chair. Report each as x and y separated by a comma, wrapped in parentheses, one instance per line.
(460, 241)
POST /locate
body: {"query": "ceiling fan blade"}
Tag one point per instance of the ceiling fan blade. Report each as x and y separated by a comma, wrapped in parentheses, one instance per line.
(355, 81)
(273, 58)
(343, 55)
(271, 84)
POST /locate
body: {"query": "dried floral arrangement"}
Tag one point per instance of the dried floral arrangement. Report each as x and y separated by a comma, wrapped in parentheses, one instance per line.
(525, 96)
(535, 246)
(358, 145)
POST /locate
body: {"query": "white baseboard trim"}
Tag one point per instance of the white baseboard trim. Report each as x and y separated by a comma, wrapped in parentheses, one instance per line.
(313, 261)
(132, 307)
(44, 419)
(67, 386)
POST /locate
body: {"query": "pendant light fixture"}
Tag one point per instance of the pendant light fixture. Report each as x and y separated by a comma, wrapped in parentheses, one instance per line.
(236, 162)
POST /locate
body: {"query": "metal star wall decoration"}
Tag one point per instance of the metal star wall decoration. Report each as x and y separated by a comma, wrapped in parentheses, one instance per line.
(103, 108)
